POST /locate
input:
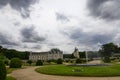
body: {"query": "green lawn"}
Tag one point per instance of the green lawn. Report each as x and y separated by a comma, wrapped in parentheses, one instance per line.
(10, 78)
(113, 70)
(10, 70)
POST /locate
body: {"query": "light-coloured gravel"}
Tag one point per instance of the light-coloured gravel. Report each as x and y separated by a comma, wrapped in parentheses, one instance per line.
(95, 62)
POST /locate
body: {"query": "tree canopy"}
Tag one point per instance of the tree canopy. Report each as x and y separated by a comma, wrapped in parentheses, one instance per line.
(11, 53)
(108, 49)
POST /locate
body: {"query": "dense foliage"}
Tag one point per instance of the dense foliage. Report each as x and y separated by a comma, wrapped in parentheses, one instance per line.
(78, 61)
(108, 49)
(39, 63)
(4, 59)
(67, 56)
(11, 53)
(15, 63)
(82, 54)
(10, 78)
(106, 59)
(29, 62)
(2, 71)
(59, 61)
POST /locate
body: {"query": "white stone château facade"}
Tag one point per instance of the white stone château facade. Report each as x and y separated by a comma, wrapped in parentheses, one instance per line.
(53, 54)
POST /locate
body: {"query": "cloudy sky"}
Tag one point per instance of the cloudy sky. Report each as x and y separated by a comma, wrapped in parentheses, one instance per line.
(39, 25)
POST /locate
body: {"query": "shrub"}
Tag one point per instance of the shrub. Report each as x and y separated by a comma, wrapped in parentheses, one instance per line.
(2, 71)
(10, 78)
(29, 62)
(4, 59)
(15, 63)
(59, 61)
(91, 59)
(67, 61)
(71, 61)
(78, 61)
(106, 59)
(49, 61)
(39, 63)
(6, 62)
(113, 59)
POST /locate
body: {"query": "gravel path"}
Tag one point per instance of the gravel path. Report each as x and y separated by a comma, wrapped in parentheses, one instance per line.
(30, 74)
(95, 62)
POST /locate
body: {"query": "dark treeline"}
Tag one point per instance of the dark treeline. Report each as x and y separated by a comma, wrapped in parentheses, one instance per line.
(81, 54)
(12, 53)
(67, 56)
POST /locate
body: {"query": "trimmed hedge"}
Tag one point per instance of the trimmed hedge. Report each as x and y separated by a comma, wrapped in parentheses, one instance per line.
(78, 61)
(29, 62)
(2, 71)
(39, 63)
(59, 61)
(15, 63)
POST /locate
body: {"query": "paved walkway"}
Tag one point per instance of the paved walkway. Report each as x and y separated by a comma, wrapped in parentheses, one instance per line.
(95, 62)
(30, 74)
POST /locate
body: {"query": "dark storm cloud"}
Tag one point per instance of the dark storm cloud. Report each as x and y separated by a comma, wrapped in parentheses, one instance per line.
(30, 35)
(33, 47)
(61, 17)
(102, 38)
(105, 9)
(89, 38)
(5, 40)
(20, 5)
(36, 47)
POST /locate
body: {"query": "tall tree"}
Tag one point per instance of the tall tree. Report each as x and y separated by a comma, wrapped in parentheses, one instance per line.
(0, 47)
(108, 49)
(2, 71)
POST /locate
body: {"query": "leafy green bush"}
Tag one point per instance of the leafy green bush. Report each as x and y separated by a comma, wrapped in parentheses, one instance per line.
(39, 63)
(67, 61)
(71, 61)
(10, 78)
(78, 61)
(59, 61)
(4, 59)
(29, 62)
(6, 62)
(49, 61)
(91, 59)
(2, 71)
(106, 59)
(15, 63)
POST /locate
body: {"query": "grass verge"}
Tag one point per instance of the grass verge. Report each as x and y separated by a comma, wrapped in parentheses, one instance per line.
(10, 78)
(101, 71)
(10, 70)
